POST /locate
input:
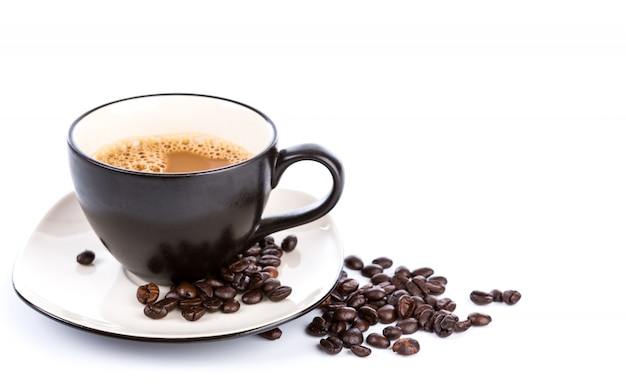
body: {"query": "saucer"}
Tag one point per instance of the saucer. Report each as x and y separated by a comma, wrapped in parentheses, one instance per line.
(101, 297)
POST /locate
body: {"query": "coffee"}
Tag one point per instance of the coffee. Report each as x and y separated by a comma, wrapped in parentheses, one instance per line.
(177, 152)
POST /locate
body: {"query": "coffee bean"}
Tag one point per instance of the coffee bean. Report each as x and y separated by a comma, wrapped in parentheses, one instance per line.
(270, 284)
(148, 293)
(423, 271)
(383, 262)
(352, 336)
(345, 314)
(230, 306)
(154, 312)
(289, 243)
(405, 307)
(368, 314)
(462, 326)
(196, 301)
(193, 313)
(392, 332)
(213, 304)
(318, 327)
(280, 293)
(360, 350)
(408, 326)
(406, 346)
(370, 270)
(253, 296)
(352, 262)
(387, 314)
(186, 290)
(224, 292)
(511, 297)
(374, 293)
(478, 319)
(347, 286)
(240, 265)
(480, 297)
(378, 340)
(497, 295)
(169, 303)
(272, 334)
(331, 345)
(86, 257)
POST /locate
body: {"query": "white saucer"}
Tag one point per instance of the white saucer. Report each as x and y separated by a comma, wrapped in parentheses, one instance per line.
(101, 297)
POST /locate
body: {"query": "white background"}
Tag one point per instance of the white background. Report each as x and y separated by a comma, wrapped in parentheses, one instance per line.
(482, 138)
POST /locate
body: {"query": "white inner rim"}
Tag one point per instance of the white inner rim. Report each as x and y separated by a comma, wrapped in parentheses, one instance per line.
(162, 114)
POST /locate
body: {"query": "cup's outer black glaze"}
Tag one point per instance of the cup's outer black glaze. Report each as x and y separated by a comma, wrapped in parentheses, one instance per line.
(168, 228)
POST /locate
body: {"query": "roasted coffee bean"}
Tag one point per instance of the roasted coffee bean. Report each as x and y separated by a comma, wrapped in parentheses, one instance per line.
(386, 314)
(254, 250)
(331, 345)
(240, 282)
(422, 271)
(481, 298)
(356, 301)
(441, 280)
(148, 293)
(270, 271)
(446, 304)
(360, 350)
(337, 327)
(318, 326)
(353, 262)
(347, 286)
(361, 324)
(370, 270)
(462, 326)
(190, 302)
(154, 312)
(392, 332)
(270, 284)
(396, 295)
(193, 313)
(272, 334)
(213, 304)
(478, 319)
(168, 303)
(378, 340)
(435, 288)
(497, 295)
(405, 307)
(511, 297)
(253, 296)
(402, 271)
(269, 260)
(257, 279)
(408, 326)
(224, 292)
(352, 336)
(289, 243)
(383, 262)
(375, 293)
(406, 346)
(380, 278)
(280, 293)
(204, 288)
(230, 306)
(273, 250)
(186, 290)
(240, 265)
(345, 314)
(86, 257)
(368, 314)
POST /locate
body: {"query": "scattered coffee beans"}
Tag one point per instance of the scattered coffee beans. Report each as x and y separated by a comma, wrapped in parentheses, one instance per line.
(249, 279)
(405, 300)
(86, 257)
(509, 297)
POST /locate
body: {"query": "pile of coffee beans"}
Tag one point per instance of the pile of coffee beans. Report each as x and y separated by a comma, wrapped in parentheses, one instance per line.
(403, 301)
(249, 278)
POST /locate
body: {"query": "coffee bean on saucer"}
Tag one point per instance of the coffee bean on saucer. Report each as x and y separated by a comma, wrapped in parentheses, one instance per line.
(154, 311)
(148, 293)
(289, 243)
(86, 257)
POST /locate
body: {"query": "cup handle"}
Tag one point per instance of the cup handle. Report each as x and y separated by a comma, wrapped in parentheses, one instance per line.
(308, 213)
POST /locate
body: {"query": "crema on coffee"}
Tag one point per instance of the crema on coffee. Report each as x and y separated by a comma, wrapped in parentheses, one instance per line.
(176, 152)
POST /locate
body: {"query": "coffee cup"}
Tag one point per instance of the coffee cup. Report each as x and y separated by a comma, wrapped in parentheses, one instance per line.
(165, 224)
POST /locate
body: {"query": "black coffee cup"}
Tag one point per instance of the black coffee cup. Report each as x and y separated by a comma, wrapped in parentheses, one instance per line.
(170, 227)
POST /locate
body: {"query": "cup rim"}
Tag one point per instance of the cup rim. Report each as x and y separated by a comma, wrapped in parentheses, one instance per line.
(81, 154)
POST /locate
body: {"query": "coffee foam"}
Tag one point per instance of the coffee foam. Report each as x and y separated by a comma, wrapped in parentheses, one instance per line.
(149, 153)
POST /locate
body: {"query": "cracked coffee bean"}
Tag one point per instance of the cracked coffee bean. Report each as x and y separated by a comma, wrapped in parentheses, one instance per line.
(148, 293)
